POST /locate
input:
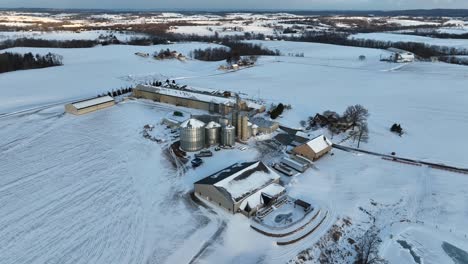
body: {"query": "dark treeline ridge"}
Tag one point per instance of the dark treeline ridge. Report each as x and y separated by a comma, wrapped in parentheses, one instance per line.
(435, 34)
(234, 52)
(454, 60)
(14, 61)
(43, 43)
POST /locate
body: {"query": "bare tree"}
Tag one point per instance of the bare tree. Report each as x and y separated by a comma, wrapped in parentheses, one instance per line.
(357, 114)
(368, 248)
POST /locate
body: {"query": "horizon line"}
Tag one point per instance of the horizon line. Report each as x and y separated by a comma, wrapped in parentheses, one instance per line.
(227, 9)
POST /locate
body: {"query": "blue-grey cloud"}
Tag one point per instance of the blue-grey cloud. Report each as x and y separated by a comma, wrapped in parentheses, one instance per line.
(240, 4)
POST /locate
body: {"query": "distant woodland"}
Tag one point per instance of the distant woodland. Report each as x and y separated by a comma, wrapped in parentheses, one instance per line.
(14, 61)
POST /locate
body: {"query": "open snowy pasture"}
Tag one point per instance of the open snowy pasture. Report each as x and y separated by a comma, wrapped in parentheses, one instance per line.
(421, 206)
(91, 189)
(90, 71)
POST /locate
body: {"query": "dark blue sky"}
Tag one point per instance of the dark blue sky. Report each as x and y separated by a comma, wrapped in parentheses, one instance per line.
(239, 4)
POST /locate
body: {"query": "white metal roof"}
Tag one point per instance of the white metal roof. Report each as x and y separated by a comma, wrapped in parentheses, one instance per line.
(212, 124)
(92, 102)
(319, 143)
(239, 188)
(255, 199)
(193, 123)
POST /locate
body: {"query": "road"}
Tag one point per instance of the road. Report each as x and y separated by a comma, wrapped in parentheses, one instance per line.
(404, 160)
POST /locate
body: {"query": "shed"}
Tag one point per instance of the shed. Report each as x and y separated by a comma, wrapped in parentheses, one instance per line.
(241, 187)
(314, 148)
(302, 204)
(89, 105)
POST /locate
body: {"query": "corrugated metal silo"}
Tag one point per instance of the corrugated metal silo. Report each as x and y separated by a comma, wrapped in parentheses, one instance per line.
(192, 135)
(245, 128)
(212, 133)
(228, 136)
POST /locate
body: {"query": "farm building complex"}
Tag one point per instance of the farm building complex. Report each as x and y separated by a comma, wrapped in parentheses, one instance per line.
(242, 187)
(90, 105)
(314, 148)
(195, 99)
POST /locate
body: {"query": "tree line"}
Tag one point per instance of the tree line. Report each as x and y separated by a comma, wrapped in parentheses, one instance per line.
(14, 61)
(232, 53)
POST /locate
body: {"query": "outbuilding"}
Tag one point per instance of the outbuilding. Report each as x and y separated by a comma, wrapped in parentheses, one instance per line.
(314, 148)
(89, 105)
(241, 187)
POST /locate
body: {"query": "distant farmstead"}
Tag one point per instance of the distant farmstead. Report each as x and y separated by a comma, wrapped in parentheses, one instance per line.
(242, 187)
(314, 149)
(90, 105)
(399, 55)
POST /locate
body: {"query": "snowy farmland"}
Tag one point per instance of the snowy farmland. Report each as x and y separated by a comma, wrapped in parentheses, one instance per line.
(91, 189)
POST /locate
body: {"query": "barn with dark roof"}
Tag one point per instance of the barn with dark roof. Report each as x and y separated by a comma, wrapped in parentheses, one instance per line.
(241, 187)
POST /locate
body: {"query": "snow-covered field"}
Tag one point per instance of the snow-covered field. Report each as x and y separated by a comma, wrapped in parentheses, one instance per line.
(91, 189)
(393, 37)
(98, 70)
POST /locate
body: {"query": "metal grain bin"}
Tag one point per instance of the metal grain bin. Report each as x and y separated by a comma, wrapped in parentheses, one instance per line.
(212, 133)
(228, 136)
(192, 135)
(254, 130)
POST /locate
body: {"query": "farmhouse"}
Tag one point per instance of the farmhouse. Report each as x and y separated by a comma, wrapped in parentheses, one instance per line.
(90, 105)
(242, 187)
(314, 148)
(194, 99)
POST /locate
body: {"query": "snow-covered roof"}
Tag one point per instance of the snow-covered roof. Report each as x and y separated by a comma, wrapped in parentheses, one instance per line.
(194, 95)
(255, 199)
(192, 123)
(212, 124)
(247, 181)
(319, 143)
(92, 102)
(240, 180)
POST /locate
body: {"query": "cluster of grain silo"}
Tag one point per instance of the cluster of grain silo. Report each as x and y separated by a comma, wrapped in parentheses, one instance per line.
(244, 129)
(196, 135)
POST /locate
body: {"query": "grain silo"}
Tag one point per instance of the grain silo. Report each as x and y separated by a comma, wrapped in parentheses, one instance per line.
(192, 135)
(245, 133)
(238, 125)
(228, 136)
(212, 133)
